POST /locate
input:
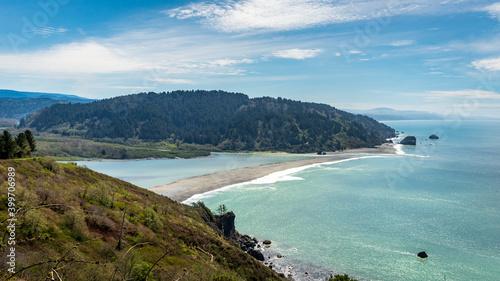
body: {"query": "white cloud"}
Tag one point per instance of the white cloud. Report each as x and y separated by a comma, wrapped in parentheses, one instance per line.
(493, 10)
(282, 15)
(462, 94)
(298, 54)
(173, 81)
(46, 31)
(400, 43)
(83, 58)
(355, 52)
(228, 62)
(491, 64)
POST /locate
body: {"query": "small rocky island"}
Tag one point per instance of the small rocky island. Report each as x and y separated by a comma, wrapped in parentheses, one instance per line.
(422, 255)
(409, 140)
(433, 137)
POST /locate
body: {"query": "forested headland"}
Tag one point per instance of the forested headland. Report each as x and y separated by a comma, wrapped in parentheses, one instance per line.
(222, 120)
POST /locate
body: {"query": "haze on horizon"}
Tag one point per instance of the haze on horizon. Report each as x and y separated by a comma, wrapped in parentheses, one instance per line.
(439, 56)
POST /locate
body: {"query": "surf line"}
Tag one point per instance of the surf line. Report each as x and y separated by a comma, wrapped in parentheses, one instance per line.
(285, 175)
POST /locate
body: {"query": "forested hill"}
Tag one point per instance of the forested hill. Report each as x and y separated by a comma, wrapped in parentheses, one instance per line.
(229, 121)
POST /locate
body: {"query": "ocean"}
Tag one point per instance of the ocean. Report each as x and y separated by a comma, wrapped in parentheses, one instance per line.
(368, 216)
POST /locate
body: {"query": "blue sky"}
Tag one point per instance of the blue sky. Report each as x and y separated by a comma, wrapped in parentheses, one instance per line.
(441, 56)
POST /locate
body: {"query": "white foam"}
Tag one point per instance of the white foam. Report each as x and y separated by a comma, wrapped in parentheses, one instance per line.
(285, 175)
(399, 149)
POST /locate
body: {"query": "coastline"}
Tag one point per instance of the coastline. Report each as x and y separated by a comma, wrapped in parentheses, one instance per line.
(184, 189)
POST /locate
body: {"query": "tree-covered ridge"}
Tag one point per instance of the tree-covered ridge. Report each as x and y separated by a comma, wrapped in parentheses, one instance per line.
(229, 121)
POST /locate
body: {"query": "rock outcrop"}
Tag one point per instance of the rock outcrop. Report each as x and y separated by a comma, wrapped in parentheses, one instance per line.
(256, 254)
(245, 242)
(433, 137)
(226, 224)
(409, 140)
(422, 255)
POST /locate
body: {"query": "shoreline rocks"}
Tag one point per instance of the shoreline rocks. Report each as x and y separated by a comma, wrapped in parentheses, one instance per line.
(433, 137)
(409, 140)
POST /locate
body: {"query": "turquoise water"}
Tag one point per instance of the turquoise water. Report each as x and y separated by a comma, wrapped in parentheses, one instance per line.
(149, 173)
(369, 217)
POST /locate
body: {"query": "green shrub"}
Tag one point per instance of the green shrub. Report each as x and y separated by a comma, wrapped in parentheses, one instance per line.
(151, 220)
(140, 270)
(33, 224)
(339, 277)
(75, 222)
(222, 278)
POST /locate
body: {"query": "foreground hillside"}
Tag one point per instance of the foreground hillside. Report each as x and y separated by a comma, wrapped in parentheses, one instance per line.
(226, 121)
(70, 220)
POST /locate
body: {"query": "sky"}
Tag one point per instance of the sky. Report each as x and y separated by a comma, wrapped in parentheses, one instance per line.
(434, 55)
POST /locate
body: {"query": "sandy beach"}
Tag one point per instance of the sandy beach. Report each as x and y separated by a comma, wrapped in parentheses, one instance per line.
(184, 189)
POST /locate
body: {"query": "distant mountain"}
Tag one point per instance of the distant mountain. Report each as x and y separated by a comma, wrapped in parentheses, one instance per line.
(229, 121)
(386, 114)
(16, 105)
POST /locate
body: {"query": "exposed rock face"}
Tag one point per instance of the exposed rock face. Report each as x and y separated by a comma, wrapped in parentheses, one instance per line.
(433, 137)
(422, 255)
(267, 242)
(245, 242)
(409, 140)
(256, 254)
(226, 224)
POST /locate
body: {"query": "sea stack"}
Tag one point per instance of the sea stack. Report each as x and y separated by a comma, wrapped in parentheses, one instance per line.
(409, 140)
(422, 255)
(433, 137)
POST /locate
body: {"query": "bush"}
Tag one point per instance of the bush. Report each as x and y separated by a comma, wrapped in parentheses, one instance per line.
(339, 277)
(151, 220)
(49, 164)
(140, 270)
(75, 222)
(222, 278)
(100, 222)
(33, 224)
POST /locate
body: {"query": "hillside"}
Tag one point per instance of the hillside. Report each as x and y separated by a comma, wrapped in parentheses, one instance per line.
(228, 121)
(69, 224)
(16, 105)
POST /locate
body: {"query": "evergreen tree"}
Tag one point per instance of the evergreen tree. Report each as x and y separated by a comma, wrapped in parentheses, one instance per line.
(8, 146)
(23, 148)
(31, 140)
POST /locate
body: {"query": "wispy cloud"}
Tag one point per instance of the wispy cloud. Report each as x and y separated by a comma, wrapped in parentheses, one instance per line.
(283, 15)
(47, 31)
(493, 10)
(459, 94)
(490, 64)
(172, 81)
(298, 54)
(400, 43)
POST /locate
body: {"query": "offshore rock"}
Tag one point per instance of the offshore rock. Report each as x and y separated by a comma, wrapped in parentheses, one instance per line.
(433, 137)
(409, 140)
(422, 255)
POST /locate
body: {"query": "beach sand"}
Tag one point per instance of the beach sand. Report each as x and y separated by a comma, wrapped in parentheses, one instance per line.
(181, 190)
